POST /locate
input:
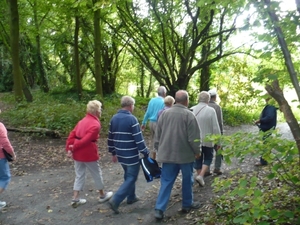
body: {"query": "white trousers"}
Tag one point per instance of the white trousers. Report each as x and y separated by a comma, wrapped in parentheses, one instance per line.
(80, 171)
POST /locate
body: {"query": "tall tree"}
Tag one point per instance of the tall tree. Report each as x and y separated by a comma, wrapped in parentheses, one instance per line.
(273, 88)
(169, 36)
(43, 81)
(14, 37)
(97, 43)
(76, 58)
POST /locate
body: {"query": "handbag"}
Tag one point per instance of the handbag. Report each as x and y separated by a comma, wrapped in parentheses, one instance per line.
(150, 168)
(7, 155)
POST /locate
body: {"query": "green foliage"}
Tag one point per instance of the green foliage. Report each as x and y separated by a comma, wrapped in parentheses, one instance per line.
(60, 110)
(234, 116)
(266, 196)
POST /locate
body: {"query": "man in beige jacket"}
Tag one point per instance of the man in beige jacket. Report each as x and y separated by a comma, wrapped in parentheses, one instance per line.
(208, 122)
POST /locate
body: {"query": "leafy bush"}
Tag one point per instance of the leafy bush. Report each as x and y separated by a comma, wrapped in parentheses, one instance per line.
(60, 110)
(267, 196)
(236, 116)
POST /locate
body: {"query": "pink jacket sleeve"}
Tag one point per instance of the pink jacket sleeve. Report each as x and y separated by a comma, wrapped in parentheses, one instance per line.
(4, 141)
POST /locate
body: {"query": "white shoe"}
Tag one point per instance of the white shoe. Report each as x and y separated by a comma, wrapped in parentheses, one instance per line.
(106, 197)
(78, 202)
(2, 205)
(200, 180)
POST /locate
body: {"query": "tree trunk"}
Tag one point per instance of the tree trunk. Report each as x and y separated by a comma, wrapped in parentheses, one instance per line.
(97, 57)
(205, 78)
(142, 80)
(284, 48)
(275, 91)
(76, 59)
(14, 37)
(43, 82)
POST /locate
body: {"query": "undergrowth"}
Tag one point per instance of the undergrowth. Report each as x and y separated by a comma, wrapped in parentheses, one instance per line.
(267, 196)
(61, 111)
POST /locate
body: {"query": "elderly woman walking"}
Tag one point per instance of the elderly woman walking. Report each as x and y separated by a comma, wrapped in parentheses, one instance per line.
(82, 147)
(4, 166)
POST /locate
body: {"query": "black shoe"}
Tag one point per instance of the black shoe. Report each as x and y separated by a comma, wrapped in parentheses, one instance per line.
(133, 201)
(159, 215)
(195, 205)
(218, 172)
(113, 206)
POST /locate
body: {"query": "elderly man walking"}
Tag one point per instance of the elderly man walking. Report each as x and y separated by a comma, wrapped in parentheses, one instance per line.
(126, 143)
(212, 103)
(178, 142)
(208, 122)
(154, 106)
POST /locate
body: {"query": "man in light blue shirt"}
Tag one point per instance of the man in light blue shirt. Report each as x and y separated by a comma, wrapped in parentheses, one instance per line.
(154, 106)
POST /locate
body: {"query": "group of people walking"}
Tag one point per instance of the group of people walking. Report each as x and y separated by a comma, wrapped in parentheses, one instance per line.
(179, 144)
(178, 135)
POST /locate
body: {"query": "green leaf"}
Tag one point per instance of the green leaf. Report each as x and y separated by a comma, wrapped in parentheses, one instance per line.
(242, 192)
(257, 193)
(272, 77)
(263, 223)
(271, 175)
(274, 213)
(289, 214)
(243, 182)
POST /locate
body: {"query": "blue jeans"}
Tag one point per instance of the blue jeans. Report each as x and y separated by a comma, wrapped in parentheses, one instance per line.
(205, 158)
(169, 173)
(127, 189)
(4, 173)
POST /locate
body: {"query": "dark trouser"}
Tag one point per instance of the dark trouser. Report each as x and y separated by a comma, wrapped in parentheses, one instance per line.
(262, 161)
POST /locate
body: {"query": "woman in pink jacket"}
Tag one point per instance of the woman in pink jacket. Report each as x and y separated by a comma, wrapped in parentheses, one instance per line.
(4, 166)
(82, 147)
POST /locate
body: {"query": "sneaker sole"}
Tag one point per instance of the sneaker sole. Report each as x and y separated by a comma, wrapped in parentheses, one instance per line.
(200, 183)
(74, 205)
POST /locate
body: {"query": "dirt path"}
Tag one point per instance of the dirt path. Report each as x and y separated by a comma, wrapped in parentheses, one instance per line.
(42, 181)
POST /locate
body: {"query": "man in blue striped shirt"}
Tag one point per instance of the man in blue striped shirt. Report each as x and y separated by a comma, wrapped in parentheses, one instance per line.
(125, 143)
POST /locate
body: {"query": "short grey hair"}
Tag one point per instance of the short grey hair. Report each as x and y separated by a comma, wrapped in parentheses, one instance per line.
(93, 107)
(161, 91)
(204, 96)
(127, 101)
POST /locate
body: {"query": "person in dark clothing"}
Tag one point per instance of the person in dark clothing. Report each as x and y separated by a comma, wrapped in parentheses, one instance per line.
(266, 122)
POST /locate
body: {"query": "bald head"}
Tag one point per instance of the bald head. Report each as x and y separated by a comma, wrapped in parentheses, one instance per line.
(162, 91)
(182, 97)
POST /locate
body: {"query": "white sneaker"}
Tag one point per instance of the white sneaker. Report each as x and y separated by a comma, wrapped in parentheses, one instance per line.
(78, 202)
(200, 180)
(2, 205)
(106, 197)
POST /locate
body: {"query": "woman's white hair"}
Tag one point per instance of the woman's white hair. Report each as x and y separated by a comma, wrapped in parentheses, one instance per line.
(169, 100)
(93, 107)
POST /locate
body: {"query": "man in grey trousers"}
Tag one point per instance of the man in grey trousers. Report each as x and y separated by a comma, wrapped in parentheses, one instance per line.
(212, 103)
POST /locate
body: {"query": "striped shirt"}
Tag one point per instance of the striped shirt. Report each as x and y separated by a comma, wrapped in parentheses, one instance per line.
(125, 138)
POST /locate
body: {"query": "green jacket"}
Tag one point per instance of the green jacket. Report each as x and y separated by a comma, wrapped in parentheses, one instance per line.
(177, 136)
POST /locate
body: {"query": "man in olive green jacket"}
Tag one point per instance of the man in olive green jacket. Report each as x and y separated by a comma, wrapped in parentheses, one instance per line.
(177, 139)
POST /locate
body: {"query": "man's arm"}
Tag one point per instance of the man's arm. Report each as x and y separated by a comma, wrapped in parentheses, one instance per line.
(139, 139)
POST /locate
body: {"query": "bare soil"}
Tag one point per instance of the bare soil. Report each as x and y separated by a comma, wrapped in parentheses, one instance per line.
(42, 180)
